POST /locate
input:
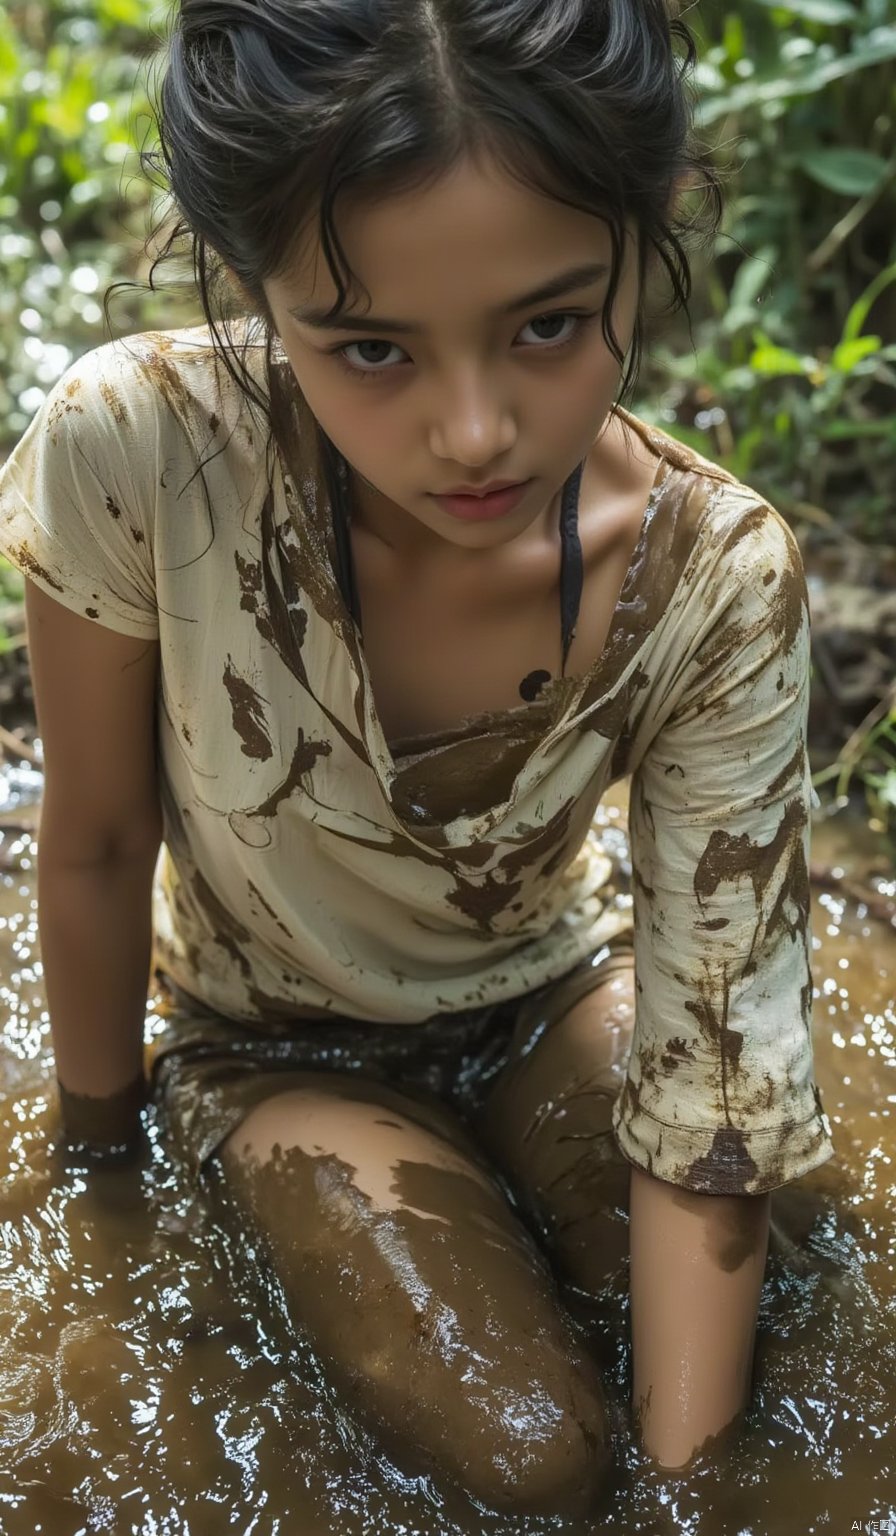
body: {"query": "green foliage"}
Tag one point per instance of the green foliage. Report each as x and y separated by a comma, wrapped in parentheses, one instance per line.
(785, 384)
(870, 756)
(73, 203)
(791, 377)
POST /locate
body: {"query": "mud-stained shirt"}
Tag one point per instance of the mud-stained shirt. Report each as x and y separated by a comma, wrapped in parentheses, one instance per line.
(310, 866)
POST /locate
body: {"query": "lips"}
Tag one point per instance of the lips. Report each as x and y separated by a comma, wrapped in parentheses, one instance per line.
(470, 508)
(485, 490)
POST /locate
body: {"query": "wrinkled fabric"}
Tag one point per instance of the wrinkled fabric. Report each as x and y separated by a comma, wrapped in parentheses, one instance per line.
(206, 1071)
(311, 867)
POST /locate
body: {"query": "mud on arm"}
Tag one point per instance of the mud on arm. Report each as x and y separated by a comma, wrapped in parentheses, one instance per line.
(720, 1105)
(697, 1266)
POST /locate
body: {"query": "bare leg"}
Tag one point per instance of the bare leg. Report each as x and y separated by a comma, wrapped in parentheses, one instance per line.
(424, 1296)
(547, 1124)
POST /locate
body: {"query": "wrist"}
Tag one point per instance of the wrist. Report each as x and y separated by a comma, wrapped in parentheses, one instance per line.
(106, 1122)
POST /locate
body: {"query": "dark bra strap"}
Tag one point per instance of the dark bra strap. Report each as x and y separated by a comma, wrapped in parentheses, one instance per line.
(572, 569)
(572, 573)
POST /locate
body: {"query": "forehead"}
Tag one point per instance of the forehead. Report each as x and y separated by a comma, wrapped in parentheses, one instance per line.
(475, 236)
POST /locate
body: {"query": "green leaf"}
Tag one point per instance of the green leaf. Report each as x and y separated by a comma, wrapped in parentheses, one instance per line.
(73, 165)
(751, 274)
(737, 381)
(845, 356)
(804, 80)
(858, 314)
(9, 57)
(772, 360)
(112, 13)
(887, 790)
(853, 172)
(748, 446)
(842, 431)
(733, 41)
(25, 144)
(830, 13)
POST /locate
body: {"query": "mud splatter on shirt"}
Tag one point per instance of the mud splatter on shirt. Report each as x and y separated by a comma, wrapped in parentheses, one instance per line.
(310, 866)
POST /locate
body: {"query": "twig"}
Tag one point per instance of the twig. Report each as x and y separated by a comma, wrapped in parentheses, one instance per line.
(873, 717)
(809, 513)
(12, 744)
(881, 907)
(845, 226)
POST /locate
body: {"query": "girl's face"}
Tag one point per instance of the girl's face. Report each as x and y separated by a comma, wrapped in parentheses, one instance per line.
(450, 380)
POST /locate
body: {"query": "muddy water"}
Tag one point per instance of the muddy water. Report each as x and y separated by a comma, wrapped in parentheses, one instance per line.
(149, 1383)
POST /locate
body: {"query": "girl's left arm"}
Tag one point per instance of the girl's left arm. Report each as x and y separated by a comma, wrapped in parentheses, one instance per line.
(697, 1266)
(720, 1106)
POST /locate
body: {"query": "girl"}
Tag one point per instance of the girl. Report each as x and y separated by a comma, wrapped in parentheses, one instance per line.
(287, 622)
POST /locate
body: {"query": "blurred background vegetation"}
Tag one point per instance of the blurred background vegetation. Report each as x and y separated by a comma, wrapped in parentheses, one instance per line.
(787, 376)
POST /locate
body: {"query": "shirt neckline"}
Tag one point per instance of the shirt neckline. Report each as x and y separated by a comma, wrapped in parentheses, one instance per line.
(557, 687)
(564, 702)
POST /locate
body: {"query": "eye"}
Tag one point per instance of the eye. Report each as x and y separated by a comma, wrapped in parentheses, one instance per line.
(581, 319)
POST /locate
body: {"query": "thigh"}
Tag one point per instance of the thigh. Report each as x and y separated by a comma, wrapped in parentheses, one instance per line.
(423, 1294)
(547, 1119)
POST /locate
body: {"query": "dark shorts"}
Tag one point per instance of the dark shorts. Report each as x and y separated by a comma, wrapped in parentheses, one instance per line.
(207, 1071)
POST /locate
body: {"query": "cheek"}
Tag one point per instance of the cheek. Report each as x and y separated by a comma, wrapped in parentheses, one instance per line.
(587, 390)
(365, 436)
(334, 402)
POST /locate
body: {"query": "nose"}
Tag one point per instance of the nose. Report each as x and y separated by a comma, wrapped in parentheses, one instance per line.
(475, 424)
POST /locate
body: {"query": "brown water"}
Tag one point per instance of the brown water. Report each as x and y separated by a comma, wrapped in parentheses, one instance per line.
(148, 1385)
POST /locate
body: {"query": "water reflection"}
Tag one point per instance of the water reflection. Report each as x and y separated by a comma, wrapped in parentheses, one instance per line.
(147, 1385)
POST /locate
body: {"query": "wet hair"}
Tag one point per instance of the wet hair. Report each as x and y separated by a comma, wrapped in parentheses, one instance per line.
(269, 110)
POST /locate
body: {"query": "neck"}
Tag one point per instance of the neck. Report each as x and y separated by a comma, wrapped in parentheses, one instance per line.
(420, 554)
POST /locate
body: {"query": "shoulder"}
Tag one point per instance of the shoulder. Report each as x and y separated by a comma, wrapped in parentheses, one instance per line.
(171, 383)
(664, 446)
(739, 528)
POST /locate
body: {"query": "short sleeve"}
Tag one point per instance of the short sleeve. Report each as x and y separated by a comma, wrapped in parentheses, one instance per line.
(720, 1094)
(77, 496)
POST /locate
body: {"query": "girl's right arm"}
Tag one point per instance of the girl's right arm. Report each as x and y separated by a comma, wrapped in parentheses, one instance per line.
(99, 837)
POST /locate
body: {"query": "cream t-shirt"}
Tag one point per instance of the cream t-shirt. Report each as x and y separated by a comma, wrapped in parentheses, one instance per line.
(307, 868)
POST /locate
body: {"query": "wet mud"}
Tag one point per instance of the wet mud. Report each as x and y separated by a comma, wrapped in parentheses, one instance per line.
(437, 1323)
(162, 1369)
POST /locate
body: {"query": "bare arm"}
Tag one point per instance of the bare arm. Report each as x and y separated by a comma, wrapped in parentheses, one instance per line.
(99, 837)
(95, 928)
(697, 1266)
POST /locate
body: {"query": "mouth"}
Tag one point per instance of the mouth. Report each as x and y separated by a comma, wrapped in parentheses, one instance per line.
(470, 508)
(483, 491)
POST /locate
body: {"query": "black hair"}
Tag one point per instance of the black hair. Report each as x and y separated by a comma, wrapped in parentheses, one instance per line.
(269, 109)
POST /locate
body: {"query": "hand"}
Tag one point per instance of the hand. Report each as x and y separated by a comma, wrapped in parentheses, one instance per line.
(103, 1154)
(115, 1186)
(67, 1150)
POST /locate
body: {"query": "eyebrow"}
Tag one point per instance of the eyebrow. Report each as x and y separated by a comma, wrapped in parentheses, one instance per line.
(563, 283)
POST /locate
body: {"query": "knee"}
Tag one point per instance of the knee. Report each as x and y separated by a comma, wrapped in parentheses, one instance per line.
(533, 1459)
(535, 1448)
